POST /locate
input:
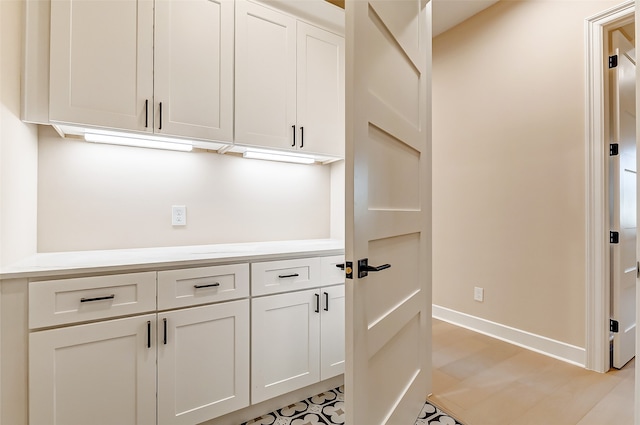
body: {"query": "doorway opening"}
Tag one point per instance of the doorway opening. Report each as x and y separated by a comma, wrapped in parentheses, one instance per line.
(598, 226)
(620, 125)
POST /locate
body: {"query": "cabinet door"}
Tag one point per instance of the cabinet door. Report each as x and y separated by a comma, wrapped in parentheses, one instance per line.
(203, 362)
(332, 332)
(101, 62)
(265, 76)
(193, 72)
(100, 374)
(320, 91)
(285, 335)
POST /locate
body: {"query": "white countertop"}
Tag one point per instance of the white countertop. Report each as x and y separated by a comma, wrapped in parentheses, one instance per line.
(70, 263)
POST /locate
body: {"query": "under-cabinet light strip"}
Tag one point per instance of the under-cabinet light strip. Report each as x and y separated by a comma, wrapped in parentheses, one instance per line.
(271, 156)
(136, 142)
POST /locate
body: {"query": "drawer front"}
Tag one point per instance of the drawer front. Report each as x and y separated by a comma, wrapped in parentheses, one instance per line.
(202, 285)
(273, 277)
(57, 302)
(331, 274)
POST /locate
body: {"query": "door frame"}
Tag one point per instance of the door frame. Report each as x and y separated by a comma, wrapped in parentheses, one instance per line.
(597, 271)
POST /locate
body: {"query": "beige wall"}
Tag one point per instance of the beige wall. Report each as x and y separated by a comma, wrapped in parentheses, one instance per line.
(18, 146)
(93, 196)
(509, 166)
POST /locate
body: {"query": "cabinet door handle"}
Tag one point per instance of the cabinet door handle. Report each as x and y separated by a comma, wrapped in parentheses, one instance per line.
(106, 297)
(164, 333)
(294, 135)
(207, 286)
(148, 333)
(146, 113)
(326, 301)
(317, 302)
(302, 137)
(284, 276)
(160, 123)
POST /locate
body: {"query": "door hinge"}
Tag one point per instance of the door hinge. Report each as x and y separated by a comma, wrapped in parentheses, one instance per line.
(613, 61)
(614, 326)
(613, 149)
(614, 237)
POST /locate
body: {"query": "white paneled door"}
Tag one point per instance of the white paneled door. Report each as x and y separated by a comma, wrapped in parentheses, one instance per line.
(623, 200)
(388, 207)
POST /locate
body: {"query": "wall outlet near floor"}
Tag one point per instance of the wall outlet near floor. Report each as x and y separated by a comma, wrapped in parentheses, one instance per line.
(478, 294)
(178, 215)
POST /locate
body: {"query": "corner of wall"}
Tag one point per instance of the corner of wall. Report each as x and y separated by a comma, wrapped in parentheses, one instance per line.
(18, 146)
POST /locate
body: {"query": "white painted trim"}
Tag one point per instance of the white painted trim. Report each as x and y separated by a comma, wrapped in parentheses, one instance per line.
(540, 344)
(596, 219)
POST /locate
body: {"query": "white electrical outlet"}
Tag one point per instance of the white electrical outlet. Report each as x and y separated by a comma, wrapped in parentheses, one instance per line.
(178, 215)
(478, 294)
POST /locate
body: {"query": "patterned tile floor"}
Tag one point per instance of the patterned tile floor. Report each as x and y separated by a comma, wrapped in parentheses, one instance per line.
(328, 408)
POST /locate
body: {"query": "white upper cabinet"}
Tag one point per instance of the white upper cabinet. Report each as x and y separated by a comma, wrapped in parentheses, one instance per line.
(106, 72)
(101, 70)
(320, 93)
(289, 83)
(193, 73)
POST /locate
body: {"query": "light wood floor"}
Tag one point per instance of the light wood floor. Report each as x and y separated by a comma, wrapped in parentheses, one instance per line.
(484, 381)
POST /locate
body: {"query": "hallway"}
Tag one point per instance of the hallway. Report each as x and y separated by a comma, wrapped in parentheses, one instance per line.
(484, 381)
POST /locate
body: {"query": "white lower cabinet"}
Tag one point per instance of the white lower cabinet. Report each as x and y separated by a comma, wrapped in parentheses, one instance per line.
(203, 362)
(101, 374)
(297, 340)
(332, 332)
(186, 355)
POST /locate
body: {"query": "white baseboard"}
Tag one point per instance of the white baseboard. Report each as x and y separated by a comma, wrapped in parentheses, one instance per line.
(540, 344)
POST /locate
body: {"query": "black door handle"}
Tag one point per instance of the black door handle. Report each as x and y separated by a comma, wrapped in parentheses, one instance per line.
(378, 268)
(326, 301)
(317, 303)
(364, 268)
(340, 266)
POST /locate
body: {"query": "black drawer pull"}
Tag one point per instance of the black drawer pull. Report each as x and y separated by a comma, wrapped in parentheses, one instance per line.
(211, 285)
(149, 334)
(106, 297)
(284, 276)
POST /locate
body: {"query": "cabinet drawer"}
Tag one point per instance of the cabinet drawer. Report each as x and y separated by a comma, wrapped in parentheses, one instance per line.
(56, 302)
(287, 275)
(331, 274)
(202, 285)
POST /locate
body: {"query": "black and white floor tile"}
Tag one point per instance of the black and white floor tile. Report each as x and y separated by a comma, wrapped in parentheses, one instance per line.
(328, 408)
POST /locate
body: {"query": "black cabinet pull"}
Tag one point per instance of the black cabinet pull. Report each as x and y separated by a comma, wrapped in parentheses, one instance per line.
(160, 124)
(146, 113)
(211, 285)
(294, 135)
(317, 303)
(148, 333)
(340, 266)
(164, 333)
(106, 297)
(326, 301)
(302, 137)
(284, 276)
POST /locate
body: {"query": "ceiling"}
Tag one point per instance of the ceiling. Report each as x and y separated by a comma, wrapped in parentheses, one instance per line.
(448, 13)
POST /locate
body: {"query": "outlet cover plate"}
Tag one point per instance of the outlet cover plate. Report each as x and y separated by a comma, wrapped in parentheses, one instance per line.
(478, 294)
(178, 215)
